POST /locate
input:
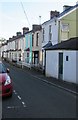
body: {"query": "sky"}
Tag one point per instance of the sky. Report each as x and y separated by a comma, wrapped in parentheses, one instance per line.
(16, 14)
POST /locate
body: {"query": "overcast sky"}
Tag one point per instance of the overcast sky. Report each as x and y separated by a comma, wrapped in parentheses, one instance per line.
(13, 19)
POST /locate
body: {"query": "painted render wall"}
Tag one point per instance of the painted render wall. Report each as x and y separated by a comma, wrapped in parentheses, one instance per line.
(28, 44)
(69, 71)
(70, 67)
(52, 64)
(54, 31)
(39, 47)
(71, 20)
(77, 67)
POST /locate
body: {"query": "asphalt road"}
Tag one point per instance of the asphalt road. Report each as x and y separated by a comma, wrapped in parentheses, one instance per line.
(33, 98)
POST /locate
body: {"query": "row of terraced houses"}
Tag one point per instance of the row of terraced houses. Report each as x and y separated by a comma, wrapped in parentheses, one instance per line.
(51, 46)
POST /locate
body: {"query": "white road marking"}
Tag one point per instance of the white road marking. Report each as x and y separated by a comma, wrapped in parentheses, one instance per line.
(23, 103)
(15, 92)
(12, 107)
(24, 106)
(19, 97)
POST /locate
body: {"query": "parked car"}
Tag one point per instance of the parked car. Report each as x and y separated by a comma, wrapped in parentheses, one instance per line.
(6, 87)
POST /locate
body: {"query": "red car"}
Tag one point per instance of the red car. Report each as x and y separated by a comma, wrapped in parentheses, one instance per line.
(6, 87)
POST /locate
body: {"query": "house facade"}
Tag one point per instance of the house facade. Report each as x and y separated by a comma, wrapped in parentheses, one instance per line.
(62, 62)
(32, 52)
(3, 50)
(13, 49)
(68, 23)
(16, 47)
(36, 45)
(28, 49)
(49, 34)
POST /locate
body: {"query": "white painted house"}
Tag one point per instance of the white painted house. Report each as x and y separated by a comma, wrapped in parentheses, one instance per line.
(50, 34)
(3, 50)
(62, 63)
(17, 47)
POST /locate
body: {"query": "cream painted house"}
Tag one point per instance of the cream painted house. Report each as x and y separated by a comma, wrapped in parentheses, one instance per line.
(68, 23)
(36, 46)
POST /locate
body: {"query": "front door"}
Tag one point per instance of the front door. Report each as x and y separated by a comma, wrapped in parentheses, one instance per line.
(60, 65)
(36, 57)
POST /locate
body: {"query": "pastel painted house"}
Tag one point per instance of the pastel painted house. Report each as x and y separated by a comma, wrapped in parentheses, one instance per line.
(36, 46)
(68, 23)
(32, 52)
(62, 62)
(28, 49)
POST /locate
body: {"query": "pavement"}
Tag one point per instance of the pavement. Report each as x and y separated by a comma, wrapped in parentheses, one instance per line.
(70, 87)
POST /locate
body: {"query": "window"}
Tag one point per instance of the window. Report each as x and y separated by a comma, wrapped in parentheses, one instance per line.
(37, 39)
(27, 54)
(50, 34)
(64, 31)
(15, 45)
(20, 57)
(67, 58)
(65, 27)
(27, 57)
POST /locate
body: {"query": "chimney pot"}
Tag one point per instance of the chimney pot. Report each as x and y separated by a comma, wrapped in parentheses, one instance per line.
(18, 33)
(54, 14)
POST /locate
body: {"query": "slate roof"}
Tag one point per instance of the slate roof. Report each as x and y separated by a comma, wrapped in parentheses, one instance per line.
(14, 38)
(64, 12)
(28, 49)
(67, 10)
(71, 44)
(49, 44)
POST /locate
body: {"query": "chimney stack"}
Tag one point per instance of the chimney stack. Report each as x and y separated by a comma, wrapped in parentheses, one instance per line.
(13, 36)
(36, 27)
(65, 7)
(10, 38)
(18, 33)
(25, 29)
(54, 14)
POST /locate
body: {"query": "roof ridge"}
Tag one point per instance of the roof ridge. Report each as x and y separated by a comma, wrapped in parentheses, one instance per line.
(67, 10)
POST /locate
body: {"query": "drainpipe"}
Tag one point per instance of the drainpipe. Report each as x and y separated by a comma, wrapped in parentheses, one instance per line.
(45, 63)
(44, 60)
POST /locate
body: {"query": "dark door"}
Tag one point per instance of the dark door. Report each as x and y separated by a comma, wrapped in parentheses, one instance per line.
(36, 57)
(60, 65)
